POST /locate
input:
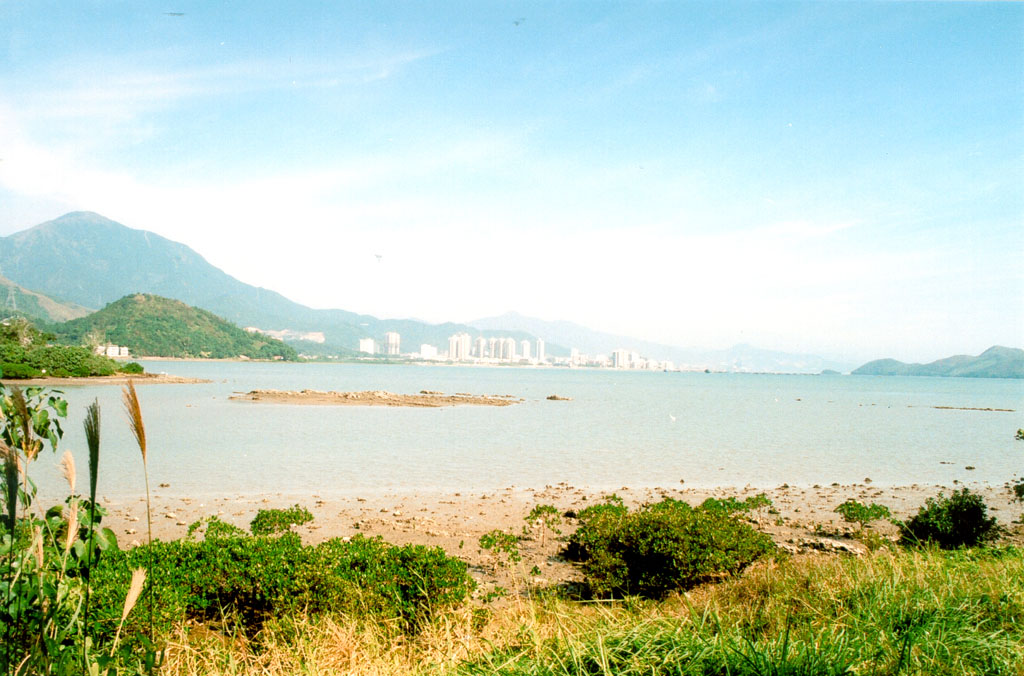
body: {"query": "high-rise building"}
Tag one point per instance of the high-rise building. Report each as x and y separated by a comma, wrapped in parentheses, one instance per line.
(493, 348)
(620, 359)
(508, 349)
(459, 346)
(367, 345)
(392, 341)
(524, 349)
(428, 351)
(480, 347)
(540, 350)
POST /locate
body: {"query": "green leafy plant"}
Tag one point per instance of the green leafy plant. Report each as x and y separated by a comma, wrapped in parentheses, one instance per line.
(961, 520)
(270, 521)
(547, 517)
(661, 547)
(1020, 435)
(853, 511)
(504, 547)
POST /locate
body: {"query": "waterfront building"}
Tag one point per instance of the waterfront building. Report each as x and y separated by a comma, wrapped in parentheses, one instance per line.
(480, 347)
(392, 341)
(508, 349)
(524, 349)
(428, 351)
(540, 350)
(620, 359)
(367, 345)
(493, 349)
(459, 346)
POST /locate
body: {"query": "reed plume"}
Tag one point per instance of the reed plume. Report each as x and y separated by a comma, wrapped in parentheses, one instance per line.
(134, 410)
(92, 440)
(134, 590)
(11, 462)
(67, 468)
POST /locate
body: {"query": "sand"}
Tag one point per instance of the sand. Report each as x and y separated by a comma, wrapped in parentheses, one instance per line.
(805, 522)
(425, 399)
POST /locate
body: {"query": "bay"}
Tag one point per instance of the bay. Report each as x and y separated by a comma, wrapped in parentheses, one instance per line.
(621, 428)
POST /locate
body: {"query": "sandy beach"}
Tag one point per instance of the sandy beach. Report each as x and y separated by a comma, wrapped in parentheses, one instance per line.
(805, 521)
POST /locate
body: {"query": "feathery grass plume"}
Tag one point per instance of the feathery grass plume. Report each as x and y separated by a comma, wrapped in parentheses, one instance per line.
(92, 440)
(25, 422)
(134, 590)
(67, 468)
(134, 410)
(72, 526)
(131, 405)
(11, 462)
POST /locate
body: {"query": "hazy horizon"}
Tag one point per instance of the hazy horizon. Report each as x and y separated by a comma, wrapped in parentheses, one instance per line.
(841, 179)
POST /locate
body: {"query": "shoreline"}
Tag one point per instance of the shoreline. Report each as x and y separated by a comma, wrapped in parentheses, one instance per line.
(805, 522)
(118, 379)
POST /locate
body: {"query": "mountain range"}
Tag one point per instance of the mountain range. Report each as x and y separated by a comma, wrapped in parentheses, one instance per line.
(86, 261)
(75, 264)
(995, 362)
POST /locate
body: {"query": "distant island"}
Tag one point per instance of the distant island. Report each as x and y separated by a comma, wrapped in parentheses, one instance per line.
(995, 362)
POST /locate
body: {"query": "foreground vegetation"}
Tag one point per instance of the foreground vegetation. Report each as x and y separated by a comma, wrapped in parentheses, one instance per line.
(908, 611)
(667, 588)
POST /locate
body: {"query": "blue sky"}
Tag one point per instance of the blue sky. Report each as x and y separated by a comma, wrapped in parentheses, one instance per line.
(843, 178)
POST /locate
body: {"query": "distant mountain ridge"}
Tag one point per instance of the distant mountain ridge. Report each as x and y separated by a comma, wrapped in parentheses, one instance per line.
(153, 326)
(18, 301)
(737, 358)
(995, 362)
(90, 260)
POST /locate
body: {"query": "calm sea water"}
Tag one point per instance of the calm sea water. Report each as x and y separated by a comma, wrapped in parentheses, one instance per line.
(633, 429)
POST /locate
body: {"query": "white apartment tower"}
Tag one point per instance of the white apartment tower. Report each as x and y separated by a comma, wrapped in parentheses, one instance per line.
(524, 349)
(540, 350)
(367, 345)
(392, 341)
(480, 347)
(459, 346)
(508, 349)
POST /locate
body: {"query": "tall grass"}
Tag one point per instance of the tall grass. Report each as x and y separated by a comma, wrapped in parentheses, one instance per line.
(906, 612)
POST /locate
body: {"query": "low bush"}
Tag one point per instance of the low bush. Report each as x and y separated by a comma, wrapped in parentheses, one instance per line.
(239, 582)
(661, 547)
(957, 521)
(18, 371)
(270, 521)
(131, 368)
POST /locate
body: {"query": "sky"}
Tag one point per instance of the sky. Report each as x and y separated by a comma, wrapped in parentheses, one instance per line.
(841, 178)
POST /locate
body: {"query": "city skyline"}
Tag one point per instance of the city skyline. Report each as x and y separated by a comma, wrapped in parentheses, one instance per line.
(840, 179)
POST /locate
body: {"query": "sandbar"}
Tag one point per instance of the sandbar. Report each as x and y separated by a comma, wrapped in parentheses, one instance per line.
(425, 399)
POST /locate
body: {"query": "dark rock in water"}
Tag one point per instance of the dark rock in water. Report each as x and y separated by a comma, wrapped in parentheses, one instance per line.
(556, 397)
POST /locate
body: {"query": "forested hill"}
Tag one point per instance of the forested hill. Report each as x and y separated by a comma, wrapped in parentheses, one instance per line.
(995, 362)
(153, 326)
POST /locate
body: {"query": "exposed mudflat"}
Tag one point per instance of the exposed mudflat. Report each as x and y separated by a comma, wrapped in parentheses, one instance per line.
(425, 399)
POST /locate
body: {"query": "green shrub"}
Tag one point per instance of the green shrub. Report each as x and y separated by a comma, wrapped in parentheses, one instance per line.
(853, 511)
(18, 371)
(270, 521)
(661, 547)
(957, 521)
(240, 581)
(131, 368)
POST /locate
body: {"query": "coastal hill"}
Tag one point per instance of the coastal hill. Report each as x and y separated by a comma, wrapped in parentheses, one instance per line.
(91, 260)
(995, 362)
(18, 301)
(154, 326)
